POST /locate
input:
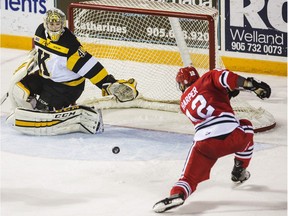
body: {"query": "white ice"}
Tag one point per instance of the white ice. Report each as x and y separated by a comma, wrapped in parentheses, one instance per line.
(77, 174)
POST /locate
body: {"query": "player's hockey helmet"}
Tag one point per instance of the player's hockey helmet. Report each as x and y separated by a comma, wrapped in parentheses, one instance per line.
(186, 77)
(54, 23)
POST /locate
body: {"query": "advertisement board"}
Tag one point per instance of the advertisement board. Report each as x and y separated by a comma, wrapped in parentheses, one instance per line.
(256, 26)
(207, 3)
(22, 17)
(140, 28)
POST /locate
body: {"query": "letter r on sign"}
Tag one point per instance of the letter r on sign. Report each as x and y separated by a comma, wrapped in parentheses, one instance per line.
(238, 12)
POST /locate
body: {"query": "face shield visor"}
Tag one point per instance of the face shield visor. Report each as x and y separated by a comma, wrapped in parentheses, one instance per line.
(54, 23)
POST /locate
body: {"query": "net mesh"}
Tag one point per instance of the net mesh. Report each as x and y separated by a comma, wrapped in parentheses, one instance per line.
(135, 39)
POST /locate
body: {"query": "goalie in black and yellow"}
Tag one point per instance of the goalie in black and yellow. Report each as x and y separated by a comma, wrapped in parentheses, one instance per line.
(53, 78)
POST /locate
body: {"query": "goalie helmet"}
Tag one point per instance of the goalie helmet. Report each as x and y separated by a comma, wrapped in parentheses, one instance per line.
(54, 23)
(186, 77)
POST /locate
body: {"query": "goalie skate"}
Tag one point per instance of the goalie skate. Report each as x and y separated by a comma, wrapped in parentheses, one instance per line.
(169, 203)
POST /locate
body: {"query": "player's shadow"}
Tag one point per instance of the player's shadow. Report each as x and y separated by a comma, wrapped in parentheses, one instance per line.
(234, 206)
(257, 188)
(44, 197)
(228, 207)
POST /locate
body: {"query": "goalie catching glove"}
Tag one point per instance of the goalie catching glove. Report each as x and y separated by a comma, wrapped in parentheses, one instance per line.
(123, 90)
(261, 89)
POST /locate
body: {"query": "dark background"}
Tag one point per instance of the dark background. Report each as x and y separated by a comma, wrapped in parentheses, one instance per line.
(63, 4)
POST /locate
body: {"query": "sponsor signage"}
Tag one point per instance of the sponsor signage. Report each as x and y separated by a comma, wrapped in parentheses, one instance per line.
(256, 26)
(32, 6)
(207, 3)
(155, 29)
(22, 17)
(130, 27)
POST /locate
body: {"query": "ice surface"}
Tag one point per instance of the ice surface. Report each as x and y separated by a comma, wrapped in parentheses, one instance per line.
(77, 174)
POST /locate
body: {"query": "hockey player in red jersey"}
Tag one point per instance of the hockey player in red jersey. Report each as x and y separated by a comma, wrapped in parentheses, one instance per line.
(206, 102)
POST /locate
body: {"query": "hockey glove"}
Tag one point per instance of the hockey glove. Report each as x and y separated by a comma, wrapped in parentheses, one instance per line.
(233, 93)
(261, 89)
(123, 90)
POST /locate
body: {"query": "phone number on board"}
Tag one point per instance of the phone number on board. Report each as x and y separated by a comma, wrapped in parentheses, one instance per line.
(163, 33)
(257, 48)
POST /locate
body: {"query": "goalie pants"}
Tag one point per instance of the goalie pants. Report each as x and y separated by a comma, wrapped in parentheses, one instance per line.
(51, 94)
(204, 154)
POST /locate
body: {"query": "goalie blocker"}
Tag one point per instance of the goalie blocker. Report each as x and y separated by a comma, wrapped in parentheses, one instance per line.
(72, 119)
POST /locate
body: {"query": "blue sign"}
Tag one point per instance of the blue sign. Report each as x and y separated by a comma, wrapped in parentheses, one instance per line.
(256, 26)
(30, 6)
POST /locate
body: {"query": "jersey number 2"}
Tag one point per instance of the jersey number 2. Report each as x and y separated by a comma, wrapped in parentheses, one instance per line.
(202, 109)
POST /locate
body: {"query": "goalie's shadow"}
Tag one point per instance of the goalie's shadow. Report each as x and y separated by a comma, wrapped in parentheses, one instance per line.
(134, 144)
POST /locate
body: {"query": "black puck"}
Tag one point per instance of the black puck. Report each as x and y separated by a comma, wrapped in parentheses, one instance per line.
(116, 150)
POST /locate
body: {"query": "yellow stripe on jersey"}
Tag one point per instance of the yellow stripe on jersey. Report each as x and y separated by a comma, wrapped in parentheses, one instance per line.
(48, 43)
(72, 60)
(40, 40)
(99, 76)
(23, 87)
(75, 82)
(24, 123)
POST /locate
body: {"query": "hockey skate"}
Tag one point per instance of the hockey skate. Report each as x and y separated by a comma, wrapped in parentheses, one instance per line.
(169, 203)
(239, 174)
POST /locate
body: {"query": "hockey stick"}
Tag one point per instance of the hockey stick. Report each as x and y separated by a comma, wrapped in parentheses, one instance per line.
(180, 41)
(4, 98)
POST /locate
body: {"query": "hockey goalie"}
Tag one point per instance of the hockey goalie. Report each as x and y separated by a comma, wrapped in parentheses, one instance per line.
(44, 89)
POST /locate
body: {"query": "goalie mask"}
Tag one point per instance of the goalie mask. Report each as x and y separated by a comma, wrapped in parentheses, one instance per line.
(54, 23)
(186, 77)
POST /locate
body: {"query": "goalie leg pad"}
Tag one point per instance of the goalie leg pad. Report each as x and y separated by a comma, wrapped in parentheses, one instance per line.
(15, 88)
(91, 120)
(69, 120)
(19, 97)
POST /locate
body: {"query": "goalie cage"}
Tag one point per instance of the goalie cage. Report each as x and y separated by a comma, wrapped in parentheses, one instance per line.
(150, 41)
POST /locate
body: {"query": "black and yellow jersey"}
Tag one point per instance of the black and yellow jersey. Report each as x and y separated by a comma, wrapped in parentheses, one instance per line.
(65, 61)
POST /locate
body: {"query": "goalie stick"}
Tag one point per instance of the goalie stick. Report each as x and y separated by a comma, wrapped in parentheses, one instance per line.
(4, 98)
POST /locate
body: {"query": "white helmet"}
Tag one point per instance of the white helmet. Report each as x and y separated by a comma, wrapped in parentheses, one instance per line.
(54, 23)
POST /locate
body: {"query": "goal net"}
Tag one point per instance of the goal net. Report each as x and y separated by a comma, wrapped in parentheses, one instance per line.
(150, 41)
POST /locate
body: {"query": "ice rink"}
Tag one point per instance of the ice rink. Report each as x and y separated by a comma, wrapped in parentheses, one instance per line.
(78, 175)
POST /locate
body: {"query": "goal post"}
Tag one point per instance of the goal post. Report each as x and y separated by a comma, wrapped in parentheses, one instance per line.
(148, 41)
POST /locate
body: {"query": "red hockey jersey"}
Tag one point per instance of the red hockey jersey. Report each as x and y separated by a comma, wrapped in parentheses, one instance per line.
(206, 103)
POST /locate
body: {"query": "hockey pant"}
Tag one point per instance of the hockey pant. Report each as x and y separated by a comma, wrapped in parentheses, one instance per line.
(204, 154)
(52, 95)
